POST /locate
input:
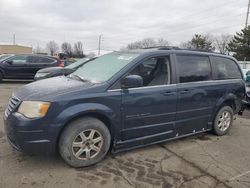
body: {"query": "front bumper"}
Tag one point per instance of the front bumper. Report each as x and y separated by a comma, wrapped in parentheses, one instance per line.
(31, 136)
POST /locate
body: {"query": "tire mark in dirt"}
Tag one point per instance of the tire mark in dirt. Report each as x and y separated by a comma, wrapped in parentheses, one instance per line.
(204, 172)
(136, 172)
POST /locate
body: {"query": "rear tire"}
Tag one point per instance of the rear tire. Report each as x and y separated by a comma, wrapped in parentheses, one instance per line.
(84, 142)
(223, 121)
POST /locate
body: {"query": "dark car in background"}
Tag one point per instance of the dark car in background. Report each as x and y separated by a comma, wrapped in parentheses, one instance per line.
(25, 66)
(59, 71)
(125, 100)
(4, 56)
(68, 62)
(248, 96)
(246, 74)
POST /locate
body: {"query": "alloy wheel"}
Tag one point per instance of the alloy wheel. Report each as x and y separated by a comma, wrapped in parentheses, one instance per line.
(87, 144)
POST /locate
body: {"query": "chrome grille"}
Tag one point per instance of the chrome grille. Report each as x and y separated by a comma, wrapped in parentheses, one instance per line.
(13, 103)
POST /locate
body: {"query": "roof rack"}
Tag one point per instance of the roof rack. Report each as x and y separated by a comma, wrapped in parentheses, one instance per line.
(189, 49)
(163, 47)
(177, 48)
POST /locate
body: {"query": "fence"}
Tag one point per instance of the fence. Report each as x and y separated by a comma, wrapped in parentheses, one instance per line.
(244, 64)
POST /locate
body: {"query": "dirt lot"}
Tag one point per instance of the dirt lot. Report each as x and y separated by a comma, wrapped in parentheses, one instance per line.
(199, 161)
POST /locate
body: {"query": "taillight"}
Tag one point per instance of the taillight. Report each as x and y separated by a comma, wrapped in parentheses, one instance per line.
(61, 64)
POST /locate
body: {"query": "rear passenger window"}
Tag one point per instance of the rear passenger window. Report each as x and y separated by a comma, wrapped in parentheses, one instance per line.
(45, 60)
(42, 60)
(226, 69)
(193, 68)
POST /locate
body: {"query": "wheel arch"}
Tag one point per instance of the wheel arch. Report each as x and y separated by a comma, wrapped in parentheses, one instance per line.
(98, 115)
(227, 100)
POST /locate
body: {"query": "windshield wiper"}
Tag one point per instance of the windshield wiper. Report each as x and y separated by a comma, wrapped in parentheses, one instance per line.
(79, 78)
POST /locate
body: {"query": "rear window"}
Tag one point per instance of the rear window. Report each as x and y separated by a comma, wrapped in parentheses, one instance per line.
(193, 68)
(226, 69)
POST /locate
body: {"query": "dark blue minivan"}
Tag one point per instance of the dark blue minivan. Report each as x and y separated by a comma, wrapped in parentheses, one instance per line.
(125, 100)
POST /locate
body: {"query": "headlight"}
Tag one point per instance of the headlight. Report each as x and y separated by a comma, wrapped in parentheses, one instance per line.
(33, 109)
(42, 74)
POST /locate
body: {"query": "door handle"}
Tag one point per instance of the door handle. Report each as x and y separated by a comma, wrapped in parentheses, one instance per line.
(184, 91)
(168, 93)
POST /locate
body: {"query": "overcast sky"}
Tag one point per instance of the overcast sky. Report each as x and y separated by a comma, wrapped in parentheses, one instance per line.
(119, 21)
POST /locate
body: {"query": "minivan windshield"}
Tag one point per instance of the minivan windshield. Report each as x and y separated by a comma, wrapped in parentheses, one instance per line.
(103, 68)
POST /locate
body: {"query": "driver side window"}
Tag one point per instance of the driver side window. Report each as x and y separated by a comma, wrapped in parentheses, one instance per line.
(154, 71)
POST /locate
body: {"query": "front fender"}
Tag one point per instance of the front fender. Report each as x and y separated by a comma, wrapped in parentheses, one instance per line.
(82, 109)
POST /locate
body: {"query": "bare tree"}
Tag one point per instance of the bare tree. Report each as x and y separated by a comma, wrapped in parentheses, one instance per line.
(52, 47)
(162, 42)
(38, 49)
(78, 49)
(186, 45)
(147, 42)
(66, 48)
(221, 43)
(134, 45)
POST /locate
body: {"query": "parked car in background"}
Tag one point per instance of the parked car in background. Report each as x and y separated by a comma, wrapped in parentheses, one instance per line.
(126, 100)
(58, 71)
(68, 62)
(246, 74)
(248, 78)
(25, 66)
(4, 56)
(248, 96)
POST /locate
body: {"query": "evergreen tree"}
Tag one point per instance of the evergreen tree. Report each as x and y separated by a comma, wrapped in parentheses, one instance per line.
(199, 42)
(240, 45)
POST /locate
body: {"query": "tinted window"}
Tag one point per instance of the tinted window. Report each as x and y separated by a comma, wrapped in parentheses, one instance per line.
(42, 60)
(154, 71)
(226, 68)
(18, 59)
(193, 68)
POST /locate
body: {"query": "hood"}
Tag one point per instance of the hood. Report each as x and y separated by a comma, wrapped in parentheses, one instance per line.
(48, 89)
(50, 69)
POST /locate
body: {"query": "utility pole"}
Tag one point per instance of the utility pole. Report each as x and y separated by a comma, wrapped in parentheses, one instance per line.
(99, 44)
(248, 7)
(14, 39)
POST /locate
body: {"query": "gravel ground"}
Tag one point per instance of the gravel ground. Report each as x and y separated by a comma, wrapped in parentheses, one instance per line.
(199, 161)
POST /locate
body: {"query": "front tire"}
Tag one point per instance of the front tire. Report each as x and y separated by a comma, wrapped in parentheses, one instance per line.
(84, 142)
(223, 121)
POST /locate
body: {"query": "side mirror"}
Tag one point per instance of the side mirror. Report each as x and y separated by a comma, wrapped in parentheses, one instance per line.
(9, 62)
(131, 81)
